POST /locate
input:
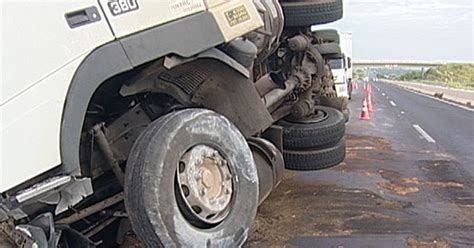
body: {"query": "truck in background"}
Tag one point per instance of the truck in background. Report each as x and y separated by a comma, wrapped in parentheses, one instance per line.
(341, 66)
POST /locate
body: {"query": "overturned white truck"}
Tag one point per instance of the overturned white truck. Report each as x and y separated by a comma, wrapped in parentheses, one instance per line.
(169, 120)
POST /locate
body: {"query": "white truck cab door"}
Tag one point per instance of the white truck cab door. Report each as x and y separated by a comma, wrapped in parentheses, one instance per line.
(43, 43)
(130, 16)
(39, 37)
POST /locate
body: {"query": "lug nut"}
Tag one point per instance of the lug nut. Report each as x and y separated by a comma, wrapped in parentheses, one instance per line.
(198, 177)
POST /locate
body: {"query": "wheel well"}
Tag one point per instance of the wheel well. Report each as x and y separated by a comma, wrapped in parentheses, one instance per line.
(93, 71)
(122, 116)
(207, 83)
(121, 56)
(111, 100)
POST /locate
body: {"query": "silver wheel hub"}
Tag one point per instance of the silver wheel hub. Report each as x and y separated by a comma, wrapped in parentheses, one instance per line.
(205, 183)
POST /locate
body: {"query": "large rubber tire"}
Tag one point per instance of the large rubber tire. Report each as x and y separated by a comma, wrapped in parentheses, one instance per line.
(334, 56)
(150, 197)
(311, 12)
(315, 159)
(329, 49)
(319, 134)
(339, 103)
(347, 114)
(327, 35)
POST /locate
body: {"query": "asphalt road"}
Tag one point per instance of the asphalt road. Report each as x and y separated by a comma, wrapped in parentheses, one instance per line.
(460, 96)
(450, 126)
(407, 181)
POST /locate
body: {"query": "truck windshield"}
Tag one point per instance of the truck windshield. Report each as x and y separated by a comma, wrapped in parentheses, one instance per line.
(336, 63)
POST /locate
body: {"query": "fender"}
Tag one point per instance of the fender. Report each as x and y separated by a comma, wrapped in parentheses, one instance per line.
(213, 53)
(213, 84)
(121, 56)
(228, 92)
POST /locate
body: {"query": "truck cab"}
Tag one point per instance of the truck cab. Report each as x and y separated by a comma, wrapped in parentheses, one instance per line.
(339, 71)
(341, 65)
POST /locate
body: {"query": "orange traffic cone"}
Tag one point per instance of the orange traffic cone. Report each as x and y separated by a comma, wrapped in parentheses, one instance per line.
(355, 85)
(369, 88)
(364, 114)
(369, 103)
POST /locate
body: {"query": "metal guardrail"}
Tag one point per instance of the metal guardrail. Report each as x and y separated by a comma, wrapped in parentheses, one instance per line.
(402, 63)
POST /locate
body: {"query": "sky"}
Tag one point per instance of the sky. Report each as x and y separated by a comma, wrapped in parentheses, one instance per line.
(427, 30)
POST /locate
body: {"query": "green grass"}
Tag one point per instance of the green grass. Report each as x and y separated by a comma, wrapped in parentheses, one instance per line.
(359, 73)
(460, 76)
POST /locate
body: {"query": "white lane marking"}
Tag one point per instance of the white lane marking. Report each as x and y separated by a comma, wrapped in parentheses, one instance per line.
(393, 104)
(402, 112)
(459, 105)
(383, 94)
(424, 133)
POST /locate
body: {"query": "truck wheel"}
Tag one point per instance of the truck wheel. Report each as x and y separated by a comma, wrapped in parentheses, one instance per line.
(306, 160)
(329, 49)
(323, 129)
(191, 181)
(347, 114)
(327, 35)
(304, 13)
(339, 103)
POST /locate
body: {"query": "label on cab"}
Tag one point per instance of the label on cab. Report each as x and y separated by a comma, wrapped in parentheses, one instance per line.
(118, 7)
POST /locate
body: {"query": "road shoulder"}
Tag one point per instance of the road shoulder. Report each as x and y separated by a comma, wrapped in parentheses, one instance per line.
(463, 98)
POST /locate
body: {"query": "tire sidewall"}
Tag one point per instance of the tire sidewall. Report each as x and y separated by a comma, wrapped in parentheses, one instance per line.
(332, 116)
(314, 135)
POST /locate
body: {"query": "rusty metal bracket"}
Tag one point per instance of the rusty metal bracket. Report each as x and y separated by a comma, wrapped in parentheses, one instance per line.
(99, 136)
(16, 237)
(92, 209)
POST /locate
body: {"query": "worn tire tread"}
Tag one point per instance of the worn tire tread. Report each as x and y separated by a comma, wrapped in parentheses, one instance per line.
(315, 135)
(312, 13)
(328, 35)
(315, 159)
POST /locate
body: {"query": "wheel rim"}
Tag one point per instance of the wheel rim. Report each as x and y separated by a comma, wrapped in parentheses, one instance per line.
(205, 184)
(318, 116)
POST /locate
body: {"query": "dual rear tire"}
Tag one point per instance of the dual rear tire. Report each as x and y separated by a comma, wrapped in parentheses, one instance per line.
(315, 143)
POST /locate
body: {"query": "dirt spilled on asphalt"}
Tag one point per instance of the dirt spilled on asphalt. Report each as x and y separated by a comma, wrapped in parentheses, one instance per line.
(408, 185)
(366, 148)
(437, 242)
(318, 209)
(404, 198)
(397, 189)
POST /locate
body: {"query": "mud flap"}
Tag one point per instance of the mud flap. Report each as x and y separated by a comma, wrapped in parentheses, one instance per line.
(211, 84)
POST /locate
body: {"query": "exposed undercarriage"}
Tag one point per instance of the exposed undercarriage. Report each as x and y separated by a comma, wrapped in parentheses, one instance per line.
(281, 81)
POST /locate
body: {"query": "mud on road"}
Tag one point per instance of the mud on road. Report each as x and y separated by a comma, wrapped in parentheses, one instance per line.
(379, 197)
